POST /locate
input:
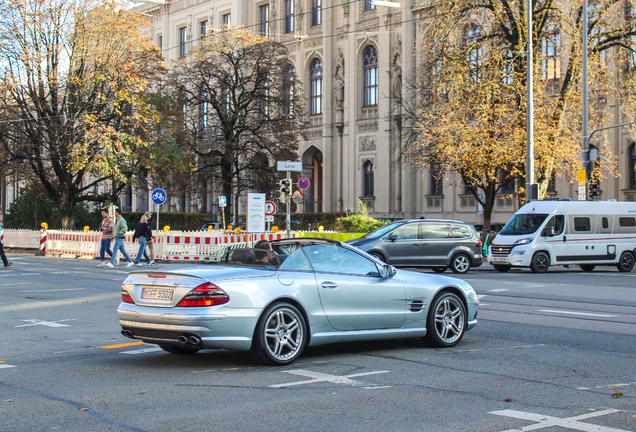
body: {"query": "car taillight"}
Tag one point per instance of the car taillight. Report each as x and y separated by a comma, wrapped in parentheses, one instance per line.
(479, 244)
(206, 294)
(125, 297)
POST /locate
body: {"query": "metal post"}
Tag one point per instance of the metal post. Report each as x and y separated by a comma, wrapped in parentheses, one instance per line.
(287, 198)
(585, 115)
(529, 110)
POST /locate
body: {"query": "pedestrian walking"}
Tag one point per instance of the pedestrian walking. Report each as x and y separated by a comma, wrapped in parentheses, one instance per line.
(119, 232)
(142, 234)
(6, 262)
(106, 227)
(151, 240)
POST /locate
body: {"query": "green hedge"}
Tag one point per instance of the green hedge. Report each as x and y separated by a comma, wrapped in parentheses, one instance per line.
(177, 221)
(308, 221)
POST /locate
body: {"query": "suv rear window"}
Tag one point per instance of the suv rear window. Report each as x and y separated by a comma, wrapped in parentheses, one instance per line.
(460, 231)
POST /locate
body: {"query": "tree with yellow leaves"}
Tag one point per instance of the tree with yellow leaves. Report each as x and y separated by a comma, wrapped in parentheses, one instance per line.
(467, 115)
(74, 96)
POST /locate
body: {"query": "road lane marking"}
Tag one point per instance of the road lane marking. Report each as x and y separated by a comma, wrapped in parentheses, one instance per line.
(123, 345)
(65, 302)
(17, 283)
(317, 377)
(52, 290)
(33, 322)
(498, 290)
(544, 421)
(578, 313)
(6, 366)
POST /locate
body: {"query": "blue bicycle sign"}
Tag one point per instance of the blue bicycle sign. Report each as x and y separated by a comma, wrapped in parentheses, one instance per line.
(159, 196)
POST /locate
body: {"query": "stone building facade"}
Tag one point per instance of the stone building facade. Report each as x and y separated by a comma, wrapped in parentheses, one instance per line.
(352, 57)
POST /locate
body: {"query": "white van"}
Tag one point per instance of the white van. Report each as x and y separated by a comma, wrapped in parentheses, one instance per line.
(583, 233)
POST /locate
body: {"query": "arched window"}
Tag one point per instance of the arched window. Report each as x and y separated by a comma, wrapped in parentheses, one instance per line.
(367, 168)
(632, 167)
(289, 77)
(474, 54)
(370, 66)
(315, 97)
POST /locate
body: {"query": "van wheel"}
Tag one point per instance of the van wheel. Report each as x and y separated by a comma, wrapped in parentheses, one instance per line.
(626, 263)
(460, 263)
(439, 269)
(540, 262)
(587, 267)
(502, 268)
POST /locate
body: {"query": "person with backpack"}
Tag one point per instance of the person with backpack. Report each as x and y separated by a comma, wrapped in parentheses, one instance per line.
(119, 232)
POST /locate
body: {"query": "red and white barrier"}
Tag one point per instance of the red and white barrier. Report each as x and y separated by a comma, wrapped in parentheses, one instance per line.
(43, 241)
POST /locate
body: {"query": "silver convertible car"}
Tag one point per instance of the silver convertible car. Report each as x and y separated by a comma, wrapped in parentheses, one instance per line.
(282, 296)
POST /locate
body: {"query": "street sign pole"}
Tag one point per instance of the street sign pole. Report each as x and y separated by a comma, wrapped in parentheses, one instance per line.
(159, 197)
(288, 210)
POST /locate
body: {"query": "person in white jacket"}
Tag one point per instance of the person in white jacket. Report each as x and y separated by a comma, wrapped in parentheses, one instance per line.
(6, 262)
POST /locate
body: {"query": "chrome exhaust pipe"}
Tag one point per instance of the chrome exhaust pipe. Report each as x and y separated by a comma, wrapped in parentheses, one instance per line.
(183, 339)
(194, 340)
(127, 333)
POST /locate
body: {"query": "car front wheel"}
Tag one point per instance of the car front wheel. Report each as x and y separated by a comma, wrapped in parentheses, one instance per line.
(446, 321)
(460, 263)
(626, 262)
(540, 262)
(280, 336)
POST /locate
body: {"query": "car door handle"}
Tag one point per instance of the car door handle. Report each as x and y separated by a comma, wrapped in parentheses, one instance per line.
(565, 239)
(329, 285)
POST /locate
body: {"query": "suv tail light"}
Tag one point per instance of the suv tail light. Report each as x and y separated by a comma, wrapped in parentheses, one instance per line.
(479, 244)
(125, 297)
(206, 294)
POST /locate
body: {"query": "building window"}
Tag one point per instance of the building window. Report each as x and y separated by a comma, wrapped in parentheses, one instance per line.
(160, 43)
(263, 12)
(226, 19)
(550, 57)
(289, 16)
(370, 66)
(368, 5)
(474, 54)
(316, 87)
(437, 186)
(368, 179)
(203, 108)
(508, 182)
(316, 12)
(552, 184)
(632, 166)
(203, 29)
(182, 42)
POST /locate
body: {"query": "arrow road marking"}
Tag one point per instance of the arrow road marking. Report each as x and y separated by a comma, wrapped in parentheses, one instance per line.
(317, 377)
(545, 421)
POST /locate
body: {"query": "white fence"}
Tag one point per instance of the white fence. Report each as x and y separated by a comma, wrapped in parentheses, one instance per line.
(170, 246)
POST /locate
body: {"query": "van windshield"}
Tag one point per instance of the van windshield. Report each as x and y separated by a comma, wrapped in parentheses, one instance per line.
(382, 230)
(522, 224)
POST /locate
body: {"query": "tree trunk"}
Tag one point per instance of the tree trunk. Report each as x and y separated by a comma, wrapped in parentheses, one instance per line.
(67, 212)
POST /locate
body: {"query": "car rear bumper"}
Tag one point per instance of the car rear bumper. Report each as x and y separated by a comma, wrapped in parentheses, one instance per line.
(232, 329)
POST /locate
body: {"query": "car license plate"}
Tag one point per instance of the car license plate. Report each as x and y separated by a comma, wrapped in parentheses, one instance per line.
(500, 259)
(156, 294)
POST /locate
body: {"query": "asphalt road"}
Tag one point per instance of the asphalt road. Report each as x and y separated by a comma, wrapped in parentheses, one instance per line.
(554, 352)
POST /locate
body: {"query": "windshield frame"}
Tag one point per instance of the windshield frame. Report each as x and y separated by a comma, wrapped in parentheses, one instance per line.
(520, 224)
(383, 230)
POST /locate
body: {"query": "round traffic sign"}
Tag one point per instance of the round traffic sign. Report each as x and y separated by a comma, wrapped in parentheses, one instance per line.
(270, 208)
(159, 196)
(303, 183)
(297, 197)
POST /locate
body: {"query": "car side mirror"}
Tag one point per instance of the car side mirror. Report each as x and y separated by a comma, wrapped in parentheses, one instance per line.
(393, 237)
(387, 271)
(548, 232)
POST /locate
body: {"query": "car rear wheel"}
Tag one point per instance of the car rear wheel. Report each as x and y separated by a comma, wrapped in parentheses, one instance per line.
(446, 321)
(502, 268)
(439, 269)
(540, 262)
(626, 262)
(587, 267)
(460, 263)
(172, 349)
(280, 336)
